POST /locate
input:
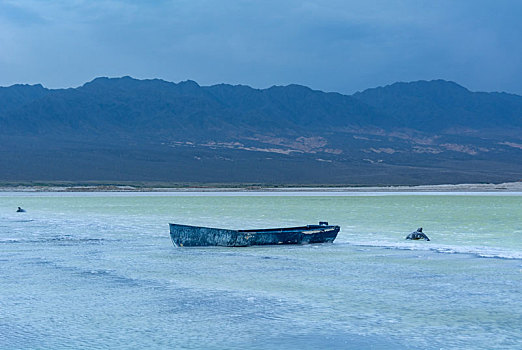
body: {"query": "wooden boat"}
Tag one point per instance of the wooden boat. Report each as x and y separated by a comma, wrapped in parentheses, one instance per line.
(193, 236)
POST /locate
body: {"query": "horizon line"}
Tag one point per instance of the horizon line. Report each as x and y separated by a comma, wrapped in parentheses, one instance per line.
(251, 87)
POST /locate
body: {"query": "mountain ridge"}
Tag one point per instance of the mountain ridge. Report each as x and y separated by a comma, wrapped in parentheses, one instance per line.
(422, 132)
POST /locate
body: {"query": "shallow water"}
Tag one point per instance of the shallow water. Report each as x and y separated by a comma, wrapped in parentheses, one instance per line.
(98, 270)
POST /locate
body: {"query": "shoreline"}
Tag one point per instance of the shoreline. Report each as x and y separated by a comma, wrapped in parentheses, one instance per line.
(503, 187)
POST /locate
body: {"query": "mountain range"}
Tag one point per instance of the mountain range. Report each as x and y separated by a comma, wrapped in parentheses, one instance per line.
(118, 130)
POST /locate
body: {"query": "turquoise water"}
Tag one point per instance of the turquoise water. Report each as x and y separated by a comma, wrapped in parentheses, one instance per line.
(98, 271)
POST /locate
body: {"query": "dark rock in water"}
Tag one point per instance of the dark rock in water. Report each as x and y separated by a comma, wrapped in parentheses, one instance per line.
(417, 235)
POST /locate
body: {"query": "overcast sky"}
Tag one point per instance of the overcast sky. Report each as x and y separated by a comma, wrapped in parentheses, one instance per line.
(331, 45)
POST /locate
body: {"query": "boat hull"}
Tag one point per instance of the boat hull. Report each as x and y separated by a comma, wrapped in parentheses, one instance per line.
(194, 236)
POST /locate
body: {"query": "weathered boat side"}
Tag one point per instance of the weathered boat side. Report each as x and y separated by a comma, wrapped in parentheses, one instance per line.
(193, 236)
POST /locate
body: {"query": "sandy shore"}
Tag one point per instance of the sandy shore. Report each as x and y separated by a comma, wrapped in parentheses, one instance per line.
(503, 187)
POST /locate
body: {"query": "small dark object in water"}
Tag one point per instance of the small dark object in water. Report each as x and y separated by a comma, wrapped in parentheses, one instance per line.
(190, 236)
(20, 210)
(418, 235)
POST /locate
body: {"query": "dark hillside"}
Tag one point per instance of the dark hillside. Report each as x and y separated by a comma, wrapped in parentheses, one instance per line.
(442, 105)
(124, 129)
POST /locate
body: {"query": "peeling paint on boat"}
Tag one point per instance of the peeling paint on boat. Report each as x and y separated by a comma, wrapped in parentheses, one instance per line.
(191, 236)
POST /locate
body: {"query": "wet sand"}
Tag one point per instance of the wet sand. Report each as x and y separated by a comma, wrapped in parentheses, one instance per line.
(503, 187)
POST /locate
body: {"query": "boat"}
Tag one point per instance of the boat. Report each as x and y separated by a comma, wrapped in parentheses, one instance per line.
(196, 236)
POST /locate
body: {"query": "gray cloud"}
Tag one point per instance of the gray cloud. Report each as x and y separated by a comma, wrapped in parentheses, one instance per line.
(330, 45)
